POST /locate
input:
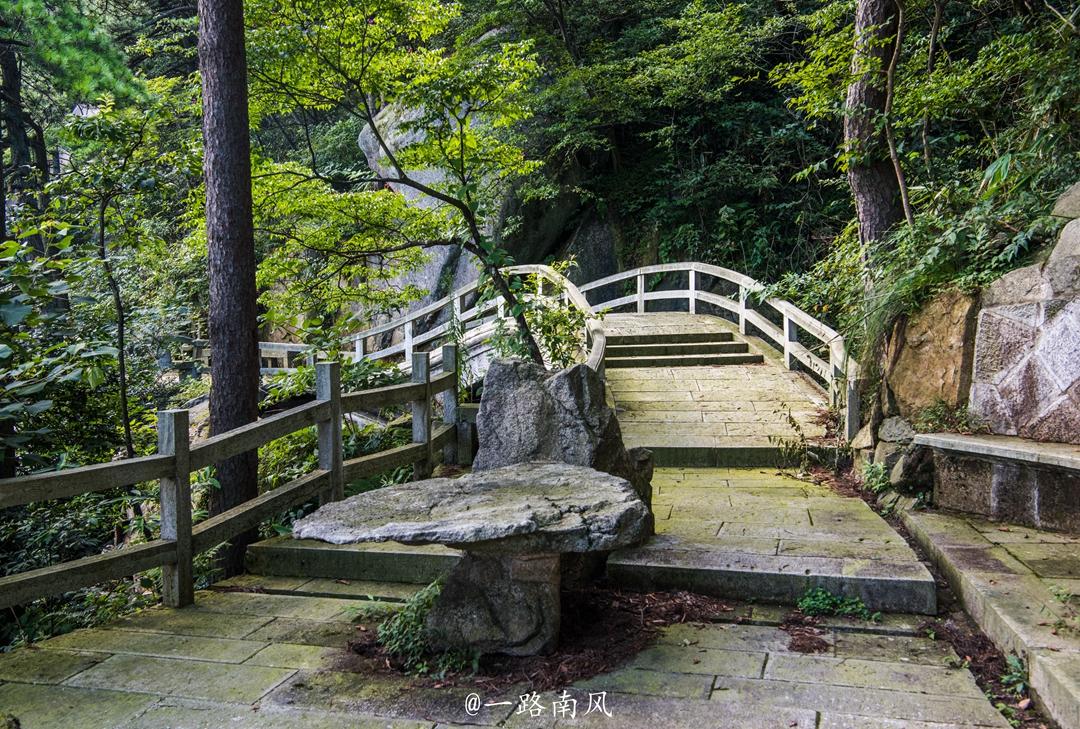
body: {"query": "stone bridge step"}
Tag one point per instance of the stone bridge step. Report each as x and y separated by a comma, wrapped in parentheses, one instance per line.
(675, 337)
(675, 348)
(684, 360)
(746, 533)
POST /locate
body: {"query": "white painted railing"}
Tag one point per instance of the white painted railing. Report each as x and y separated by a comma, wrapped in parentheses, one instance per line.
(804, 340)
(836, 370)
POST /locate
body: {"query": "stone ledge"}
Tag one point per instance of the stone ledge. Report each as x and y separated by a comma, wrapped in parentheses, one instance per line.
(1010, 603)
(1005, 447)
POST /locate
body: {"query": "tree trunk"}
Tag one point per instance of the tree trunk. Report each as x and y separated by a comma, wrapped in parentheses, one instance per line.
(870, 171)
(234, 366)
(121, 328)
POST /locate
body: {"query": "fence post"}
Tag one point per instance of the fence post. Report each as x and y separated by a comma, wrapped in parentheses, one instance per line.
(328, 388)
(450, 402)
(742, 310)
(408, 340)
(852, 414)
(421, 413)
(358, 349)
(641, 293)
(177, 581)
(693, 291)
(791, 335)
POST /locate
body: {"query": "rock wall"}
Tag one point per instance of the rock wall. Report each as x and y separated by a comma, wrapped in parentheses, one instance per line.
(1011, 355)
(1027, 348)
(929, 355)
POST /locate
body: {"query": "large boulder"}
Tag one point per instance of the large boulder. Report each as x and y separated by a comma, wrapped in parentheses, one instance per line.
(929, 355)
(1026, 380)
(529, 414)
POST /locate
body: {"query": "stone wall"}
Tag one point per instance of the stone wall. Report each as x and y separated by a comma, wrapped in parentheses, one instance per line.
(1027, 348)
(1010, 355)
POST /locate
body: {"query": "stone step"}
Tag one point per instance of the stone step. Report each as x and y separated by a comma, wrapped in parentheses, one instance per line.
(669, 338)
(381, 562)
(667, 564)
(675, 348)
(684, 360)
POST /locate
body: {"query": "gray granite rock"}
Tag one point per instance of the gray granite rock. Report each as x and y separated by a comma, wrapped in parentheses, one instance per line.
(1026, 380)
(1068, 205)
(525, 508)
(895, 430)
(498, 604)
(529, 414)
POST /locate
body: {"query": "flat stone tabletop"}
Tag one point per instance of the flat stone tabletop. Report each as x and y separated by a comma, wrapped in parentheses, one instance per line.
(548, 508)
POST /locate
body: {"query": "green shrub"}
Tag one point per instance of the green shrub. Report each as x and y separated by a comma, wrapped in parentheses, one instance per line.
(406, 638)
(875, 478)
(819, 601)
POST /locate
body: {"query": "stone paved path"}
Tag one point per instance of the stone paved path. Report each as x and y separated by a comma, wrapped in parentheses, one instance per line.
(732, 407)
(249, 660)
(275, 657)
(758, 532)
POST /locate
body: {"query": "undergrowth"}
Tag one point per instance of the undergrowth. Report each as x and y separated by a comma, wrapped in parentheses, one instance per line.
(819, 601)
(406, 638)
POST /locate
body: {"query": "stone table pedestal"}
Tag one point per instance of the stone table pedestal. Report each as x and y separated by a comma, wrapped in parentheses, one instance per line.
(513, 523)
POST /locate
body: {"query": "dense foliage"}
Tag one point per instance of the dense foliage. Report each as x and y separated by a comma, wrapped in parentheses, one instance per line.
(383, 131)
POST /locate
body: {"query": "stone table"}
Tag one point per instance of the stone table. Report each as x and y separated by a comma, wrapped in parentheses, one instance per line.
(512, 524)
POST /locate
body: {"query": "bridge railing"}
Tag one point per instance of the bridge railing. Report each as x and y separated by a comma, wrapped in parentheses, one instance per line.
(177, 458)
(787, 326)
(477, 319)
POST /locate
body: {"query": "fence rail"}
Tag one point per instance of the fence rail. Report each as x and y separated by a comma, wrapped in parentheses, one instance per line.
(178, 458)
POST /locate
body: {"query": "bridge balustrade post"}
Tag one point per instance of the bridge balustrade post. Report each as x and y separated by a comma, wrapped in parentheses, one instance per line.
(852, 410)
(692, 292)
(450, 403)
(791, 336)
(331, 456)
(641, 293)
(408, 340)
(177, 580)
(421, 414)
(742, 310)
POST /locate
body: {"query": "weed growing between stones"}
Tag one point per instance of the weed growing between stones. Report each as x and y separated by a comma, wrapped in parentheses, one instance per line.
(819, 601)
(875, 478)
(1069, 618)
(942, 417)
(406, 640)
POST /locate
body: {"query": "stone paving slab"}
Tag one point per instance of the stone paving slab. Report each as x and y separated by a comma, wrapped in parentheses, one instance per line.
(870, 702)
(66, 707)
(186, 678)
(193, 620)
(732, 532)
(305, 632)
(294, 655)
(38, 665)
(994, 569)
(858, 672)
(182, 714)
(218, 650)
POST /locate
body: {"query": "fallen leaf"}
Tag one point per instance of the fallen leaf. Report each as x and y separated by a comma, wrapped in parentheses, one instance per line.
(1024, 704)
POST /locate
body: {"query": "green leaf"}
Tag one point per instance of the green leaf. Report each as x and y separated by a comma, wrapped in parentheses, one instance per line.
(14, 314)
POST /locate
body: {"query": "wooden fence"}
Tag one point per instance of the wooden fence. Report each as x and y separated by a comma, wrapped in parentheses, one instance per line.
(177, 458)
